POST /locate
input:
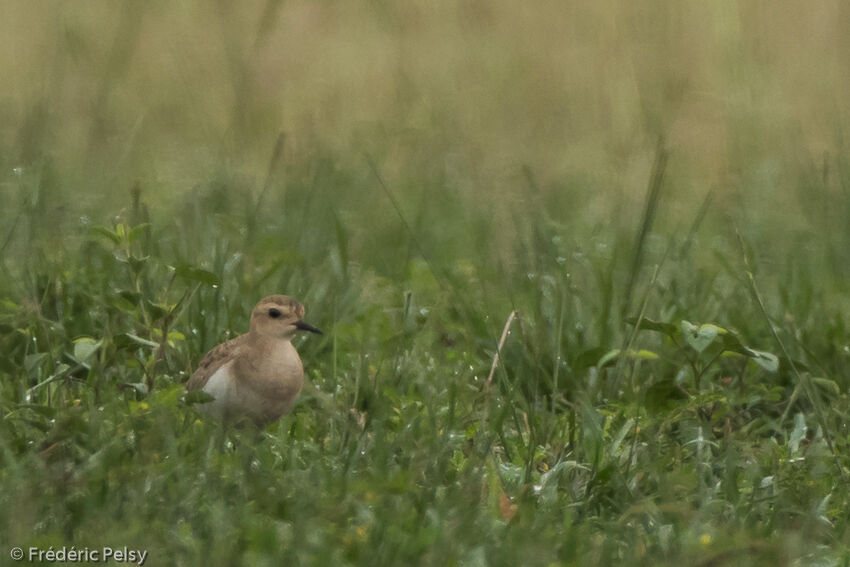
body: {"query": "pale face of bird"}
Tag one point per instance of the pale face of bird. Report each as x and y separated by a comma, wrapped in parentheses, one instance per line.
(279, 317)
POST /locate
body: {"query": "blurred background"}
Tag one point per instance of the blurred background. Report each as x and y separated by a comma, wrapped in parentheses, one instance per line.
(112, 94)
(488, 138)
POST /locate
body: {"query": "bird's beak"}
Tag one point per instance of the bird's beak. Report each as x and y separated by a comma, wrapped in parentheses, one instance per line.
(302, 326)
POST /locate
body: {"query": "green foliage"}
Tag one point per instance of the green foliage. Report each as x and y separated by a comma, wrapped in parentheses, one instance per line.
(401, 450)
(418, 224)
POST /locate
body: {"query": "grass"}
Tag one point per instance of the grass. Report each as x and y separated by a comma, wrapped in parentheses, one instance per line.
(668, 309)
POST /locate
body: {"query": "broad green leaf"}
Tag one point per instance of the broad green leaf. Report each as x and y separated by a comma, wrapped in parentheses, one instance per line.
(608, 357)
(139, 340)
(688, 327)
(699, 338)
(125, 301)
(512, 475)
(140, 387)
(799, 432)
(84, 347)
(136, 231)
(641, 354)
(137, 264)
(32, 361)
(197, 275)
(167, 397)
(101, 232)
(766, 360)
(158, 310)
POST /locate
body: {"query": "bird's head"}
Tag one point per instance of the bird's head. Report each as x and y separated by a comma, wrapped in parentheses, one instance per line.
(279, 316)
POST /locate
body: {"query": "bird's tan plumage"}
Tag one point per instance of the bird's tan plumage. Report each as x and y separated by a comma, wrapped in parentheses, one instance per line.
(213, 360)
(258, 375)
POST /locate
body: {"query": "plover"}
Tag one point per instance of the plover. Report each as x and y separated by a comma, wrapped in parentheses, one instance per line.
(258, 375)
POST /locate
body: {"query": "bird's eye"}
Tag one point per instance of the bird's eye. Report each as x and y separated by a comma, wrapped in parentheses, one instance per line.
(274, 313)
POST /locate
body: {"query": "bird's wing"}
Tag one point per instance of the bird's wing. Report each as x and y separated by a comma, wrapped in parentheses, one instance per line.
(212, 361)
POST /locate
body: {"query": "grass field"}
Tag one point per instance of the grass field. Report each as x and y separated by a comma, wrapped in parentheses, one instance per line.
(583, 271)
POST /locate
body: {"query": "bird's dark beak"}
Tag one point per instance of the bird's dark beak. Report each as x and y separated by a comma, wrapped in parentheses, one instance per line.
(302, 326)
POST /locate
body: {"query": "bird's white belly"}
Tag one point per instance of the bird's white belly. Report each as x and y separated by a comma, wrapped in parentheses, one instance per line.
(234, 399)
(220, 387)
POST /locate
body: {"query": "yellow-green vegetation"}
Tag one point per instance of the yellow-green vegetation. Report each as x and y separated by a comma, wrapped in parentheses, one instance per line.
(641, 207)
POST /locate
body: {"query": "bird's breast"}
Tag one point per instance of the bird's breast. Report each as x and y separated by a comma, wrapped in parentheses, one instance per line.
(270, 383)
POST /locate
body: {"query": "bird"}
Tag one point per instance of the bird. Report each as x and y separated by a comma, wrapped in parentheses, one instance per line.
(255, 377)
